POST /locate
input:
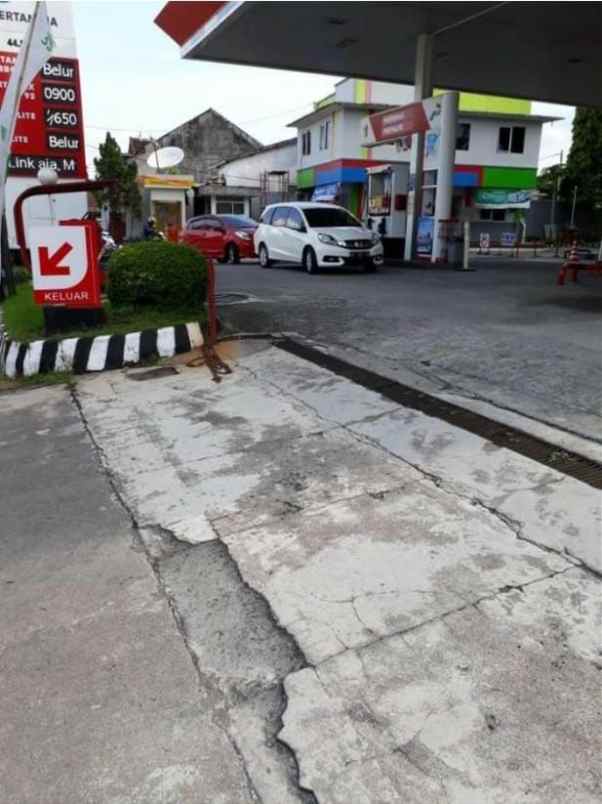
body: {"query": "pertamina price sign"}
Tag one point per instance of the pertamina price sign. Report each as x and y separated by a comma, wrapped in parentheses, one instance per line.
(49, 130)
(64, 266)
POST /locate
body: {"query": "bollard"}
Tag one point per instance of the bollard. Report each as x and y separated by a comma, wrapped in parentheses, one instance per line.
(466, 250)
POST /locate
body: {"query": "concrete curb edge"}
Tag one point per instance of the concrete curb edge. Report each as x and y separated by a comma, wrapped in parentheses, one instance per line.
(99, 353)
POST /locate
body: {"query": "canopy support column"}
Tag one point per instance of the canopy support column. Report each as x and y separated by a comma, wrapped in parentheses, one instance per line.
(423, 88)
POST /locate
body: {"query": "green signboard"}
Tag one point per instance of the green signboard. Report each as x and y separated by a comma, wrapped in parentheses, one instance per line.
(502, 198)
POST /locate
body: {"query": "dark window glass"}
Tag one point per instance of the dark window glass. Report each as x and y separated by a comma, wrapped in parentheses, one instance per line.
(295, 221)
(498, 214)
(225, 205)
(280, 216)
(463, 137)
(319, 217)
(518, 140)
(306, 142)
(503, 143)
(240, 221)
(194, 224)
(485, 214)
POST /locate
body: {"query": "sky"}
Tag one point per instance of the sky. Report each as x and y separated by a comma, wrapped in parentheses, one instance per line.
(134, 83)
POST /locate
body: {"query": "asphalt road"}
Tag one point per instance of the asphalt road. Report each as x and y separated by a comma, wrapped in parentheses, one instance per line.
(504, 333)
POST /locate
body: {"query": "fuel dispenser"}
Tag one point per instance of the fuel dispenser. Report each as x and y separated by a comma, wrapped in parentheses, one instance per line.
(387, 205)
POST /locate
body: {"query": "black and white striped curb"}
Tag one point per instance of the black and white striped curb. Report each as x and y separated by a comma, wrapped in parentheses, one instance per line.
(101, 353)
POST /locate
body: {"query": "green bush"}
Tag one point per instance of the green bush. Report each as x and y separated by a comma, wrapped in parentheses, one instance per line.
(21, 274)
(157, 273)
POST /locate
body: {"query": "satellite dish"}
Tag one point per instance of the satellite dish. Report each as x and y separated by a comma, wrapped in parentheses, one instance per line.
(165, 158)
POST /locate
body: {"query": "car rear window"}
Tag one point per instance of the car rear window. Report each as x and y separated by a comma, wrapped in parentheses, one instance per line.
(266, 215)
(323, 217)
(280, 216)
(239, 221)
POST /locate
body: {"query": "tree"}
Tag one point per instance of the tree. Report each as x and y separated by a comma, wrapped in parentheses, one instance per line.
(548, 178)
(123, 194)
(584, 165)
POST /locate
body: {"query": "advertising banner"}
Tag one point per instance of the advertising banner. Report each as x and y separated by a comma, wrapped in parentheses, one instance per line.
(491, 199)
(424, 236)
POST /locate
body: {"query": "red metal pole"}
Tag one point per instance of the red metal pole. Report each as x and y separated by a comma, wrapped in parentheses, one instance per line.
(211, 306)
(48, 189)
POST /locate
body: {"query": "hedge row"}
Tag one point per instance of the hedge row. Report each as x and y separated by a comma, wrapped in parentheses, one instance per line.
(157, 273)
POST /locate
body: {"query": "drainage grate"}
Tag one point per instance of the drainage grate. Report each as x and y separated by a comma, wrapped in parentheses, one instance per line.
(550, 455)
(222, 299)
(152, 374)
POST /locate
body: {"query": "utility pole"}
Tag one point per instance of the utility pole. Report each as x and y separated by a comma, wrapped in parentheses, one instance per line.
(554, 197)
(573, 208)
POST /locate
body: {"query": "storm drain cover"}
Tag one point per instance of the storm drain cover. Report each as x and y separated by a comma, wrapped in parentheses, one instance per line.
(153, 373)
(231, 298)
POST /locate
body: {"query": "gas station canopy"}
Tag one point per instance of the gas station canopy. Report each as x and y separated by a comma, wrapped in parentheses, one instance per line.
(539, 51)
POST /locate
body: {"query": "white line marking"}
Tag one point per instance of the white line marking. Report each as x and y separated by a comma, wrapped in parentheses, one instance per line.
(131, 348)
(31, 364)
(11, 360)
(98, 353)
(194, 335)
(64, 355)
(166, 341)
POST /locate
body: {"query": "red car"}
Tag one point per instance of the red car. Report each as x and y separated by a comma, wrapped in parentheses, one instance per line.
(227, 238)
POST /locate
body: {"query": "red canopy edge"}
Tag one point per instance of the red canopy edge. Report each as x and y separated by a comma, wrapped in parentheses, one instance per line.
(182, 19)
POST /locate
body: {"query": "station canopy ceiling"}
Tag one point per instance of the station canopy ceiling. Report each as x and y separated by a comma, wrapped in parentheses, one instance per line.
(534, 50)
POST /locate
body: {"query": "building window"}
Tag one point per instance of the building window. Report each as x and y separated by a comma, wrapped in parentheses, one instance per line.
(229, 206)
(492, 214)
(324, 131)
(463, 137)
(517, 146)
(511, 139)
(306, 143)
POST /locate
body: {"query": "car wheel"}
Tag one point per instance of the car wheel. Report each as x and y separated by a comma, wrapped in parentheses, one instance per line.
(264, 257)
(310, 262)
(232, 255)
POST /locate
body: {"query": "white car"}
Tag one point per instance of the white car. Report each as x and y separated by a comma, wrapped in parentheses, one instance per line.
(315, 236)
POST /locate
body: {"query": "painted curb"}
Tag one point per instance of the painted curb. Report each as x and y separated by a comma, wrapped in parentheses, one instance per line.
(101, 353)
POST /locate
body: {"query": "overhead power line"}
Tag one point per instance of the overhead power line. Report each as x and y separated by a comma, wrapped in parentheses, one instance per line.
(140, 131)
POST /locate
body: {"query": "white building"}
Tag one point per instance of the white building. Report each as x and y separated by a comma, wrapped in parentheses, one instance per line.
(497, 152)
(257, 179)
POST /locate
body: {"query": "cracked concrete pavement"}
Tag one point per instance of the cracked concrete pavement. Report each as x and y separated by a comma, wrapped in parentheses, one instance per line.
(384, 607)
(100, 700)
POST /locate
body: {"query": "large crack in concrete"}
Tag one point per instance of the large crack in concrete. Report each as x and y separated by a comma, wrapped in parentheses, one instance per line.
(167, 546)
(231, 702)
